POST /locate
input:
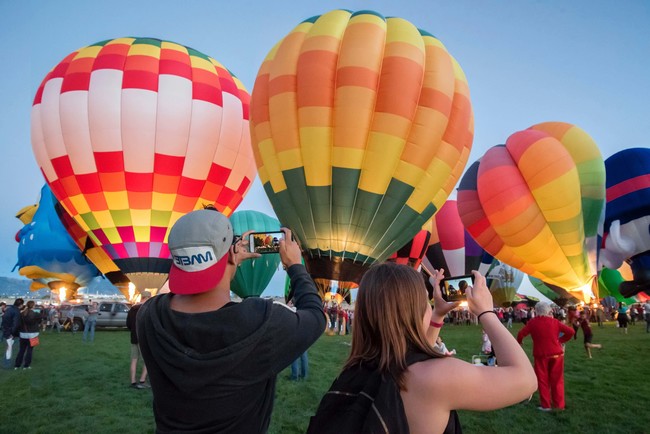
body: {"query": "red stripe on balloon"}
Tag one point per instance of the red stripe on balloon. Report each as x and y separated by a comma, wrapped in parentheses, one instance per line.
(168, 164)
(451, 231)
(89, 183)
(62, 166)
(628, 186)
(141, 182)
(140, 80)
(108, 162)
(109, 61)
(76, 81)
(173, 67)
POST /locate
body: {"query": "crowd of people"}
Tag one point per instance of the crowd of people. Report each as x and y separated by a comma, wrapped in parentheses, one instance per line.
(339, 317)
(399, 376)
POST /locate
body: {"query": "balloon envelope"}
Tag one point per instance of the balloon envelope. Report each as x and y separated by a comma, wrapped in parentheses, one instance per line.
(452, 248)
(361, 126)
(627, 217)
(523, 202)
(254, 275)
(133, 133)
(46, 252)
(503, 281)
(411, 253)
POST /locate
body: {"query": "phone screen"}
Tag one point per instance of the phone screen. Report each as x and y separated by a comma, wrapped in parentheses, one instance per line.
(265, 242)
(453, 288)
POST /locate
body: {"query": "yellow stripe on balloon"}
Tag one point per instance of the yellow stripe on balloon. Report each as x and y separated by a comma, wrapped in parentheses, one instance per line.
(347, 158)
(316, 156)
(145, 50)
(118, 41)
(139, 217)
(104, 219)
(141, 233)
(88, 52)
(121, 199)
(201, 63)
(167, 45)
(80, 204)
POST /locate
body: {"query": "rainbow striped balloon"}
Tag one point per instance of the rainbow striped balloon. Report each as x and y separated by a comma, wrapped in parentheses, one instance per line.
(361, 126)
(133, 133)
(532, 203)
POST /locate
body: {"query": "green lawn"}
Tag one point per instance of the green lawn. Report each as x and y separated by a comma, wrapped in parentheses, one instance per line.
(81, 388)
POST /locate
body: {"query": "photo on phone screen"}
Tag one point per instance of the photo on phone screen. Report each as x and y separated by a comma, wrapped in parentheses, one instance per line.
(265, 242)
(453, 288)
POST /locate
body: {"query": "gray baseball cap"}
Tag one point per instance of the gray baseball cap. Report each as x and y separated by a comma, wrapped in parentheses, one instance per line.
(199, 243)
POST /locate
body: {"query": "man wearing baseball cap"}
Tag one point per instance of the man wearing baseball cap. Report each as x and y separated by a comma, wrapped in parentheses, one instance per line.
(213, 363)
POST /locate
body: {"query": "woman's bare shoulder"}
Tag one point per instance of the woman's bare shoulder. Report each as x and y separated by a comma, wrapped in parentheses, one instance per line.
(432, 374)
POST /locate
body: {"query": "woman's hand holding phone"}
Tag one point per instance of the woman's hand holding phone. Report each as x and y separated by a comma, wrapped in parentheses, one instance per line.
(441, 307)
(479, 297)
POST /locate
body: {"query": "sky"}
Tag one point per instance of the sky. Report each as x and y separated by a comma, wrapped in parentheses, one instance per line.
(584, 62)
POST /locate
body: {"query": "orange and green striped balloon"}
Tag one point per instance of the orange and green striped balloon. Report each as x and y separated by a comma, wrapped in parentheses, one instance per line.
(533, 202)
(133, 133)
(361, 126)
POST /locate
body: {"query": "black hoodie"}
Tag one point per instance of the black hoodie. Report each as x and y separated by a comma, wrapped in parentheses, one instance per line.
(215, 372)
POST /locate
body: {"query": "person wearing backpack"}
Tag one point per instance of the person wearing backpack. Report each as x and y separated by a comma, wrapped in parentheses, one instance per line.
(394, 381)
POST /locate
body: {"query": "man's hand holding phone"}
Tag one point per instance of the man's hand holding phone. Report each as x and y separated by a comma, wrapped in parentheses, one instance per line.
(290, 253)
(241, 249)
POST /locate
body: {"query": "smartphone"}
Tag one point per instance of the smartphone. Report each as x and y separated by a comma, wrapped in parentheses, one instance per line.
(453, 288)
(265, 242)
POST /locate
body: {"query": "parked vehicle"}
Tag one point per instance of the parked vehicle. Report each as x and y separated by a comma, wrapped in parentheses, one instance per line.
(111, 314)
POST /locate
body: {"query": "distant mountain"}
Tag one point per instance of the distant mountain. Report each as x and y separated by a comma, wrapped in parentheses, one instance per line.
(11, 287)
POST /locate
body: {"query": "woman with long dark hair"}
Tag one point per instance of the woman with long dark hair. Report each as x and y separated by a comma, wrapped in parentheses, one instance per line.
(408, 385)
(29, 323)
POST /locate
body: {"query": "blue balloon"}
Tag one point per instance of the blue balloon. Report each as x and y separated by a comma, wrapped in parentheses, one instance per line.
(45, 243)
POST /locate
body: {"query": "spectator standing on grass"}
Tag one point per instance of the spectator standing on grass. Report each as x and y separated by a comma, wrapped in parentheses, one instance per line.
(136, 355)
(213, 363)
(53, 316)
(300, 366)
(10, 324)
(621, 316)
(69, 320)
(548, 353)
(398, 379)
(646, 314)
(29, 325)
(91, 322)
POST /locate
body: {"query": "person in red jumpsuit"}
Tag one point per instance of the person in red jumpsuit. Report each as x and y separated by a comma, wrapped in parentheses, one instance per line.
(548, 336)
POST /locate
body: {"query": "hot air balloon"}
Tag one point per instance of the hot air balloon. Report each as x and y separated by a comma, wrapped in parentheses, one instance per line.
(411, 253)
(503, 281)
(452, 248)
(327, 289)
(523, 202)
(610, 281)
(627, 217)
(361, 126)
(554, 293)
(253, 276)
(133, 133)
(46, 252)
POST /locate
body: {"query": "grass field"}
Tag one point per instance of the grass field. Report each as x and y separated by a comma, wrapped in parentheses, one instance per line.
(83, 388)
